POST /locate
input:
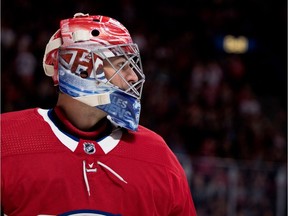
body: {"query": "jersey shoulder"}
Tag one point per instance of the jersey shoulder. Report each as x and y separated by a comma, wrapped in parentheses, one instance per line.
(150, 135)
(19, 116)
(23, 132)
(148, 146)
(20, 121)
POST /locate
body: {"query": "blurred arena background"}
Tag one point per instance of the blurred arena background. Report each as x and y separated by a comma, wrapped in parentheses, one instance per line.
(216, 87)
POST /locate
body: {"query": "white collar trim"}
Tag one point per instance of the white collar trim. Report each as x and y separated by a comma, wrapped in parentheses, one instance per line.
(107, 144)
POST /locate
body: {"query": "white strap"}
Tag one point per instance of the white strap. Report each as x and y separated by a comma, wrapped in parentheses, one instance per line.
(95, 100)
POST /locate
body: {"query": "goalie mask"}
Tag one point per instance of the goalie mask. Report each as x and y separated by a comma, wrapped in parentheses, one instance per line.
(94, 60)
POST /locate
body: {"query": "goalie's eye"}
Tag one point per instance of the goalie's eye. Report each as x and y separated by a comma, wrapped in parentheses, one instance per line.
(121, 64)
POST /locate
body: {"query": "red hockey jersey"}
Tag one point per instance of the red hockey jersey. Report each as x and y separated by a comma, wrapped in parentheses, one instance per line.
(48, 171)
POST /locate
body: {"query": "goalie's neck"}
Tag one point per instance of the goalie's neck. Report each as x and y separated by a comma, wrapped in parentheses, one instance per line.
(80, 115)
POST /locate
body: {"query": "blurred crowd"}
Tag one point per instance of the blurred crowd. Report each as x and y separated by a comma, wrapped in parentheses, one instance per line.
(203, 101)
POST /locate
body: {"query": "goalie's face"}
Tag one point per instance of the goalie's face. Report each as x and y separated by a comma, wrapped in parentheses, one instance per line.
(119, 72)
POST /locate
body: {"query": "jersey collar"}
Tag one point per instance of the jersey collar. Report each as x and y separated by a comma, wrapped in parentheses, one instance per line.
(107, 142)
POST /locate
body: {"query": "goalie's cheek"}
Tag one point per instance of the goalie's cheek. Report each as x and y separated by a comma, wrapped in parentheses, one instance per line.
(113, 78)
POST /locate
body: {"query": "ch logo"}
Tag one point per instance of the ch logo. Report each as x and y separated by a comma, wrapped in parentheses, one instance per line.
(89, 148)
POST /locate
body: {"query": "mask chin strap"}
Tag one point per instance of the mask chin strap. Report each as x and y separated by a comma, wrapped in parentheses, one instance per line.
(95, 100)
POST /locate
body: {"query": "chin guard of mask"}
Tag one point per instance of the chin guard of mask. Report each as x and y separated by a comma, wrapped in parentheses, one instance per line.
(123, 110)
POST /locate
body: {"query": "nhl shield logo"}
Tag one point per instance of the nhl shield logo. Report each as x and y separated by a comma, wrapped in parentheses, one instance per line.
(89, 148)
